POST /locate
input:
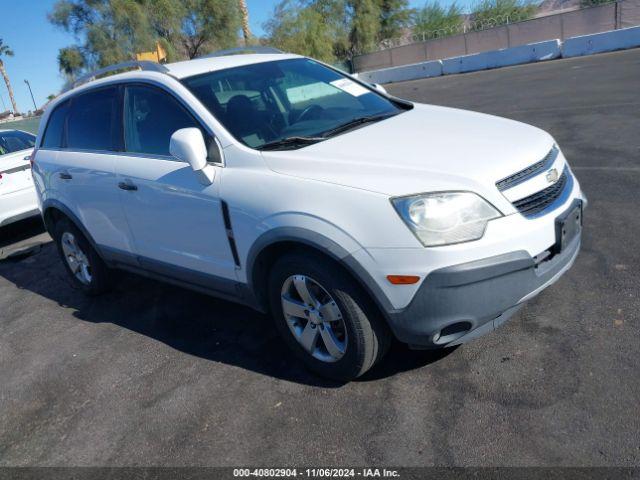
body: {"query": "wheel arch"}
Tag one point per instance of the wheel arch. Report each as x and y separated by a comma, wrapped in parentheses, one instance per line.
(275, 243)
(53, 211)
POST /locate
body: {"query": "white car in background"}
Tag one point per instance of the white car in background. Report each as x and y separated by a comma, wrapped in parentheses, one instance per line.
(18, 198)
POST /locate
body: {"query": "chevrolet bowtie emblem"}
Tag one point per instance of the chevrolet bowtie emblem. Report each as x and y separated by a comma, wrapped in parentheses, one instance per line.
(552, 175)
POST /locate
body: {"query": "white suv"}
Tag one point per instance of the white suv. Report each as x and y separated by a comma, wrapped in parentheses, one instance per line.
(279, 182)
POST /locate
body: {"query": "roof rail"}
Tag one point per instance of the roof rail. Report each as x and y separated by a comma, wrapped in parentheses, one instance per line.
(243, 50)
(141, 65)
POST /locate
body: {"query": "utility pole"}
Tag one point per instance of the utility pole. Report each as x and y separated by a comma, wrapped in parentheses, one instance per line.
(34, 100)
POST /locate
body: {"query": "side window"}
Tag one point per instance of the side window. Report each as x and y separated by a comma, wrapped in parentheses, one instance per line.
(25, 140)
(14, 141)
(55, 127)
(151, 116)
(92, 121)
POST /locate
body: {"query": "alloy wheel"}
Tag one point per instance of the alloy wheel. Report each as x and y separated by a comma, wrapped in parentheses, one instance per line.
(76, 259)
(314, 318)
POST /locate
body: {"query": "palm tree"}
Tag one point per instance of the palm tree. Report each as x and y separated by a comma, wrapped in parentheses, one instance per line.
(7, 52)
(246, 31)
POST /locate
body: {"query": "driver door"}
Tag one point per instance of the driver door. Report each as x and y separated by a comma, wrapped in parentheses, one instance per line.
(176, 222)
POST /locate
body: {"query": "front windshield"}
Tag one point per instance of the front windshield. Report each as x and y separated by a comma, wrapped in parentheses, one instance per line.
(265, 104)
(14, 141)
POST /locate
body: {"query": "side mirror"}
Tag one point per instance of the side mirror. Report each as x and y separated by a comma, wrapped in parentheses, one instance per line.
(380, 88)
(187, 144)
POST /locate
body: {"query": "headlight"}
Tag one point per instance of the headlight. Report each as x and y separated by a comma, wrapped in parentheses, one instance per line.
(446, 217)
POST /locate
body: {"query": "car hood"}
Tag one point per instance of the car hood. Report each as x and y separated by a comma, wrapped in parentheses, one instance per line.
(427, 148)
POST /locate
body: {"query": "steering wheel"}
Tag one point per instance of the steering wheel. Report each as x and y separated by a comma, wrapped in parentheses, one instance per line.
(310, 110)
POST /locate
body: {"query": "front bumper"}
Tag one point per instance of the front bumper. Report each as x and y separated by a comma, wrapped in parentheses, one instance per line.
(459, 303)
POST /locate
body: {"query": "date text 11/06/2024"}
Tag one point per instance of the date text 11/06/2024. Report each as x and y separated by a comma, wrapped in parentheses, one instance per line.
(316, 472)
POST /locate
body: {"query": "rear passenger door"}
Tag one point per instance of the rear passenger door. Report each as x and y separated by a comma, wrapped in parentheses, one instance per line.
(176, 222)
(77, 154)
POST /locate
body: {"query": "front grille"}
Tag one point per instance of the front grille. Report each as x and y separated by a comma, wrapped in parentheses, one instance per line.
(534, 204)
(530, 171)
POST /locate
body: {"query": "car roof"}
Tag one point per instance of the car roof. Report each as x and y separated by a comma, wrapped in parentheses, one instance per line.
(198, 66)
(178, 70)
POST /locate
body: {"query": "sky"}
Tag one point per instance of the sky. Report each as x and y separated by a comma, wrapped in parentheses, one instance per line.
(25, 28)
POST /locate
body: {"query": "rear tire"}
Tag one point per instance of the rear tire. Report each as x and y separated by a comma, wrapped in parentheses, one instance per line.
(344, 337)
(87, 270)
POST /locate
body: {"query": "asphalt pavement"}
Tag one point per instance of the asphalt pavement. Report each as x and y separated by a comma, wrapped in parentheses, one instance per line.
(151, 374)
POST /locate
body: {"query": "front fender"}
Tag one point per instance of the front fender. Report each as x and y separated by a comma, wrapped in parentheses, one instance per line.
(306, 229)
(340, 252)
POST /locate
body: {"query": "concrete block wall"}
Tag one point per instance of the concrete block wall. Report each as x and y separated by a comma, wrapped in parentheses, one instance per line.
(404, 73)
(533, 52)
(601, 42)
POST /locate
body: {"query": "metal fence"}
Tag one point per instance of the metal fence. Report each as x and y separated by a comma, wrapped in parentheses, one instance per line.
(462, 27)
(612, 16)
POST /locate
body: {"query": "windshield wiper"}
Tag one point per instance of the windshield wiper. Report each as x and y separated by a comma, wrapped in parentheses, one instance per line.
(291, 142)
(355, 123)
(298, 141)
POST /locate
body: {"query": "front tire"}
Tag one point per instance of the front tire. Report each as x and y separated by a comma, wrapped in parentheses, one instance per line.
(87, 270)
(325, 317)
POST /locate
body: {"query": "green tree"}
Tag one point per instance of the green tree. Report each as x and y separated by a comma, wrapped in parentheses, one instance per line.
(112, 31)
(70, 62)
(433, 20)
(5, 51)
(366, 16)
(395, 16)
(298, 27)
(209, 25)
(330, 29)
(165, 20)
(492, 13)
(335, 14)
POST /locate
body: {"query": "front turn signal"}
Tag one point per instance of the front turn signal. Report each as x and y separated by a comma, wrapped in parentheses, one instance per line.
(403, 279)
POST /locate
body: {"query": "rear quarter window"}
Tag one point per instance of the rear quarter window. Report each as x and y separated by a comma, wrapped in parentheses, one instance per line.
(92, 121)
(55, 127)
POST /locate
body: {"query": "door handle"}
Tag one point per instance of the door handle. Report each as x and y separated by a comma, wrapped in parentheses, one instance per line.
(127, 186)
(65, 176)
